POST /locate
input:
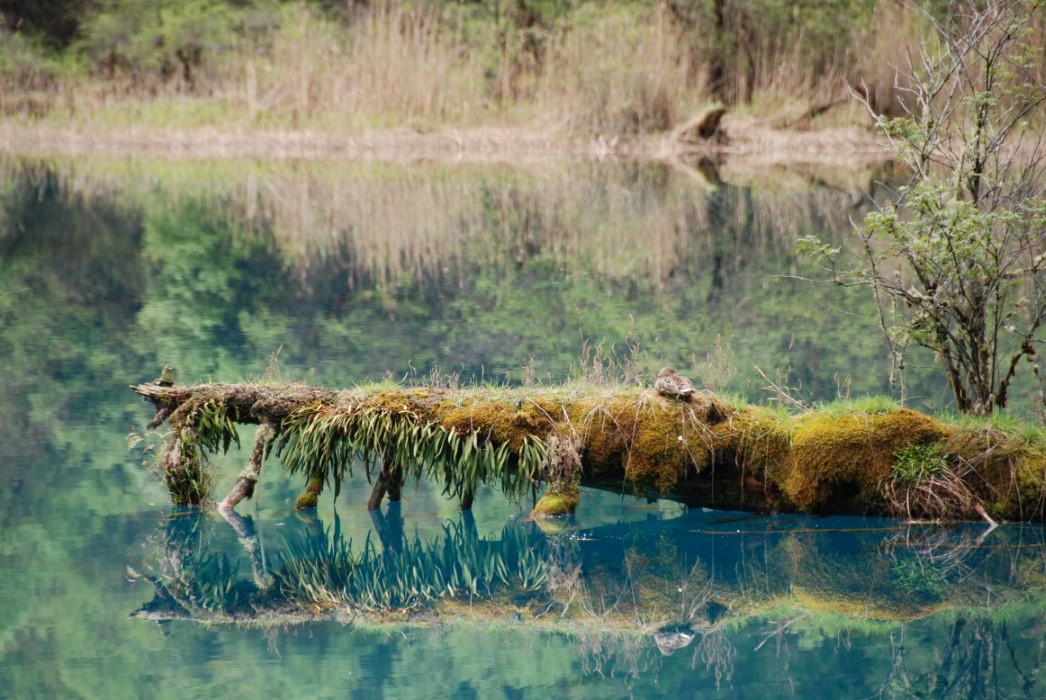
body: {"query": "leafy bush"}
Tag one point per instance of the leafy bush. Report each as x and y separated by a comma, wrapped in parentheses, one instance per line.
(165, 39)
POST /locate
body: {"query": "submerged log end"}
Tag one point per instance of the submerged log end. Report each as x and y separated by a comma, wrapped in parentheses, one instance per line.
(555, 504)
(164, 397)
(244, 488)
(311, 495)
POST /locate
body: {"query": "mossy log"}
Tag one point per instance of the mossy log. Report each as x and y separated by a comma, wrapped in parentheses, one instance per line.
(703, 451)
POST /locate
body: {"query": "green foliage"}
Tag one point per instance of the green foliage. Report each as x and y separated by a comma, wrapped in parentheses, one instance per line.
(956, 258)
(324, 442)
(914, 463)
(166, 38)
(28, 66)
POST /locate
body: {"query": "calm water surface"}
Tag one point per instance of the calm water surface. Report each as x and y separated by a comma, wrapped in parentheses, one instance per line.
(110, 269)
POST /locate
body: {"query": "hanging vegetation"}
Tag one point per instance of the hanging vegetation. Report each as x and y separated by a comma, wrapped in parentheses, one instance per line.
(700, 449)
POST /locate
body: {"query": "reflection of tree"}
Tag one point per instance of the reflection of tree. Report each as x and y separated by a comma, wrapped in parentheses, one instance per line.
(479, 269)
(70, 270)
(978, 652)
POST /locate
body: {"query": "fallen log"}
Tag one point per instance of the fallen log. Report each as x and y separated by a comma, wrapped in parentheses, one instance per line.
(698, 449)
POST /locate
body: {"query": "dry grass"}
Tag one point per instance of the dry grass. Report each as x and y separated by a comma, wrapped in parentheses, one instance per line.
(607, 71)
(610, 78)
(424, 222)
(393, 60)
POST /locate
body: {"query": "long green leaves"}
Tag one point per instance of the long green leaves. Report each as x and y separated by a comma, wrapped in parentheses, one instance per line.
(216, 427)
(324, 441)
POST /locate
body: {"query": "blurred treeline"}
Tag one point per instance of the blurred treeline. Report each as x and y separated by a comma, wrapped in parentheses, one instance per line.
(604, 68)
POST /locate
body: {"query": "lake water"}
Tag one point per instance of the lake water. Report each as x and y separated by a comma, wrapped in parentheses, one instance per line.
(345, 272)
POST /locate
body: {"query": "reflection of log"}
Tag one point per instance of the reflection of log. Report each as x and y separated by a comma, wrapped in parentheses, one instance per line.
(654, 578)
(244, 528)
(703, 452)
(389, 526)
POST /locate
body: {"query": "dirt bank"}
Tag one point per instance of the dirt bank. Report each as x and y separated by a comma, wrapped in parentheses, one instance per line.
(742, 140)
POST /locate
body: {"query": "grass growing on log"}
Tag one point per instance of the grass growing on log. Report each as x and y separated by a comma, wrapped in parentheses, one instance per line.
(201, 426)
(922, 484)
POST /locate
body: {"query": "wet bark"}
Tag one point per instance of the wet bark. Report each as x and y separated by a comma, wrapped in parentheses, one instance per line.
(244, 487)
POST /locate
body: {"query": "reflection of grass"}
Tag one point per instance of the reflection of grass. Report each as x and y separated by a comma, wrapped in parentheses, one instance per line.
(925, 582)
(412, 575)
(809, 613)
(420, 222)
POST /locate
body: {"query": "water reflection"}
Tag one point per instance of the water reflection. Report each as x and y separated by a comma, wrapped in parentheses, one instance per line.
(718, 590)
(354, 270)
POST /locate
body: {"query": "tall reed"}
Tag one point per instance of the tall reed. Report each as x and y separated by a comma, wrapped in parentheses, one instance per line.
(392, 63)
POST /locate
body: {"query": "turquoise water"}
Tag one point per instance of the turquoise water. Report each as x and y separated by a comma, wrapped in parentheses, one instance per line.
(109, 270)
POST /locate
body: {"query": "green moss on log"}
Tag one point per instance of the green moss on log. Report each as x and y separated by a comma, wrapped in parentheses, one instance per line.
(838, 463)
(704, 452)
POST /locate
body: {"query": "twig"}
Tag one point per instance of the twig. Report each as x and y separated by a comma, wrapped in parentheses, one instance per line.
(987, 518)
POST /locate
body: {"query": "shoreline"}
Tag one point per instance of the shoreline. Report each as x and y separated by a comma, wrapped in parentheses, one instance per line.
(746, 142)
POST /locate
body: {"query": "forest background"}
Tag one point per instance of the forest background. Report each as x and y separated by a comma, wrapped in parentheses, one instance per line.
(592, 69)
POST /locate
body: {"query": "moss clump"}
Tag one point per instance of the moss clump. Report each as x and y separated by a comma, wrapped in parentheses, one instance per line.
(554, 504)
(561, 467)
(670, 438)
(837, 463)
(606, 426)
(310, 496)
(753, 444)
